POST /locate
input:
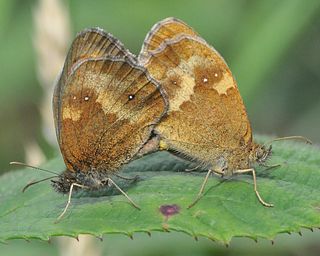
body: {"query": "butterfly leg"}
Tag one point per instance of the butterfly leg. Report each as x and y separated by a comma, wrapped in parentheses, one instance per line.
(271, 166)
(204, 183)
(127, 178)
(254, 185)
(69, 199)
(123, 193)
(192, 169)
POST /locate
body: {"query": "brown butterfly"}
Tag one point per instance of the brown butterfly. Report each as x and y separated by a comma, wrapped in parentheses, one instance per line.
(206, 121)
(105, 107)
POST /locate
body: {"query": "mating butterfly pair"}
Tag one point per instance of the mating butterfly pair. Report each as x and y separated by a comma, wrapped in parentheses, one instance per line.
(179, 95)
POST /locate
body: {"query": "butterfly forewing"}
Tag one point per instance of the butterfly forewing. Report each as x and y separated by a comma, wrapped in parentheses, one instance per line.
(109, 107)
(90, 43)
(94, 43)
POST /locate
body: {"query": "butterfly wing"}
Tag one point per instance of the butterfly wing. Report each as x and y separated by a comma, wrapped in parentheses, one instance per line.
(162, 31)
(89, 43)
(105, 104)
(108, 110)
(206, 113)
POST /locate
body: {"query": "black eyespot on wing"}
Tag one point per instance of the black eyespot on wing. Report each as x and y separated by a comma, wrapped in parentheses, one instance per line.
(131, 96)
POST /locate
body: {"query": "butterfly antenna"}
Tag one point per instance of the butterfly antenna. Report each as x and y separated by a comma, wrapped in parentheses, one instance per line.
(289, 138)
(35, 182)
(34, 167)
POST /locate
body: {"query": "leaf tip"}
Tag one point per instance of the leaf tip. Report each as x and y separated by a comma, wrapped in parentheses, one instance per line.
(211, 237)
(165, 227)
(130, 235)
(27, 240)
(100, 237)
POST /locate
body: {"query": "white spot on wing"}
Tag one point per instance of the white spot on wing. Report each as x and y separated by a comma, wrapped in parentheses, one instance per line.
(187, 83)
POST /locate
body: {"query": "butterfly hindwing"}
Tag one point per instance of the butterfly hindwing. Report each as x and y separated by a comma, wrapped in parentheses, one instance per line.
(206, 113)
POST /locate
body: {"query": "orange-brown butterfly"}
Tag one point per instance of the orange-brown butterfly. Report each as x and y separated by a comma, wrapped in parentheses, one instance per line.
(206, 121)
(105, 107)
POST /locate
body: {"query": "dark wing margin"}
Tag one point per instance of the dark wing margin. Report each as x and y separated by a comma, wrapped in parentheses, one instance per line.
(162, 31)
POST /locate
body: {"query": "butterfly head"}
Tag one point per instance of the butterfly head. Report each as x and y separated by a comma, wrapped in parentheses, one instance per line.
(64, 181)
(260, 153)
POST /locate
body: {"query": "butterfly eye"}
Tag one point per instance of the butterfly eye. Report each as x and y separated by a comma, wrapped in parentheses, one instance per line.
(131, 97)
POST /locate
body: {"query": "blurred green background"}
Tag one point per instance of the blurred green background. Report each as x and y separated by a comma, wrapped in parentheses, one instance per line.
(272, 48)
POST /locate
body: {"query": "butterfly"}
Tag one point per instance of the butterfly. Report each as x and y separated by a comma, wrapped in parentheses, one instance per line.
(105, 107)
(206, 121)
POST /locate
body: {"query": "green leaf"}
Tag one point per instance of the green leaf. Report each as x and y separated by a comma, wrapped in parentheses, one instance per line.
(228, 208)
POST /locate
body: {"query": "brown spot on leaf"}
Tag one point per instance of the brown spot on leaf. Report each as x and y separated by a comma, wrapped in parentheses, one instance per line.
(169, 210)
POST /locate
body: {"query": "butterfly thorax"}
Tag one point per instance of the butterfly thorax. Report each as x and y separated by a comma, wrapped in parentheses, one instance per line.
(259, 153)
